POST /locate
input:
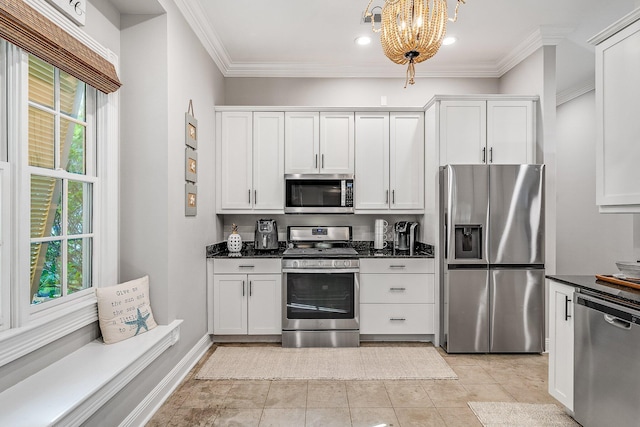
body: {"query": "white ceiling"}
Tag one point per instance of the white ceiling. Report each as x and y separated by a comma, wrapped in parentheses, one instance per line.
(307, 38)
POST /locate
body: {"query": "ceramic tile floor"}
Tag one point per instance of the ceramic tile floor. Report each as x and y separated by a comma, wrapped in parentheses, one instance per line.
(487, 378)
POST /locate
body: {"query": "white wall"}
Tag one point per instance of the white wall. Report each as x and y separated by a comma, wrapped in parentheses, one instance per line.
(164, 66)
(348, 92)
(536, 76)
(587, 242)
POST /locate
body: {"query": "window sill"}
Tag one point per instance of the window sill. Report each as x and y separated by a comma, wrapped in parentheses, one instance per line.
(17, 342)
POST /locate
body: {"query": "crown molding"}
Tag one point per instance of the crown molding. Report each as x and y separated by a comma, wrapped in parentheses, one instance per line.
(621, 23)
(194, 15)
(575, 91)
(293, 70)
(543, 36)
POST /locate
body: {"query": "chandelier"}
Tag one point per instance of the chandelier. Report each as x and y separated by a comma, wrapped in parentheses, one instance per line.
(412, 30)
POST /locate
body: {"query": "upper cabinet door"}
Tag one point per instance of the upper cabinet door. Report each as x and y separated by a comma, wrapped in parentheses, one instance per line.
(510, 132)
(336, 143)
(302, 142)
(406, 148)
(372, 161)
(236, 136)
(463, 132)
(268, 161)
(618, 127)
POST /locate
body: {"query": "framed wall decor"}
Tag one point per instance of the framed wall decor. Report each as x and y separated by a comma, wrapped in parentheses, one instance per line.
(191, 199)
(191, 165)
(190, 128)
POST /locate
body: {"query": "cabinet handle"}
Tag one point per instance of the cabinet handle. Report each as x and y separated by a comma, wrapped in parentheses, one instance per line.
(322, 167)
(393, 196)
(567, 316)
(246, 266)
(243, 288)
(255, 196)
(484, 152)
(491, 155)
(316, 163)
(397, 266)
(249, 192)
(397, 319)
(250, 287)
(386, 197)
(397, 289)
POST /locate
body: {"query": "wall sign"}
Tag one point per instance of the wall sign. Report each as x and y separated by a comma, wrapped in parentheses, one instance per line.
(75, 10)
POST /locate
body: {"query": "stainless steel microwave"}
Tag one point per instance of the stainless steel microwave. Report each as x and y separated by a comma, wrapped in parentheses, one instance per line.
(318, 193)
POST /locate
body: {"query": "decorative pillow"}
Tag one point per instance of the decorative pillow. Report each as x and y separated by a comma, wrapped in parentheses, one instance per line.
(124, 310)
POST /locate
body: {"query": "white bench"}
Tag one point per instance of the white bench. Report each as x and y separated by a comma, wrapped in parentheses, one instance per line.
(69, 391)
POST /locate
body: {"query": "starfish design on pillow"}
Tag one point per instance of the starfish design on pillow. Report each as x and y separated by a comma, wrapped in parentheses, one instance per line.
(140, 322)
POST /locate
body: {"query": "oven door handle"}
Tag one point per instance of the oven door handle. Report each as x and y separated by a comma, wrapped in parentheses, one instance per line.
(320, 270)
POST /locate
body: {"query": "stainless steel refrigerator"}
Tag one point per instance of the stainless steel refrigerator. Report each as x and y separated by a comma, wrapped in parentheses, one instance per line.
(492, 258)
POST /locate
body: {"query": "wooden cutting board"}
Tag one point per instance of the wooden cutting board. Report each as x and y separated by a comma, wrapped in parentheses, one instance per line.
(615, 280)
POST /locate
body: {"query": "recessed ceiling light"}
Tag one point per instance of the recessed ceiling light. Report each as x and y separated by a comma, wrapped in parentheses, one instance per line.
(363, 40)
(449, 40)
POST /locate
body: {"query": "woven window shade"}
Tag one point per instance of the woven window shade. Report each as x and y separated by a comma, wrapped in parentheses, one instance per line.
(28, 29)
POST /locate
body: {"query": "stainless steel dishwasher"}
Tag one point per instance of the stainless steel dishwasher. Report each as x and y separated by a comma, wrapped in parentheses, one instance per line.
(607, 361)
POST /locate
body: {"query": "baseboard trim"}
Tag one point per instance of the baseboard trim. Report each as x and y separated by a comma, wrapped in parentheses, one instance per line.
(154, 400)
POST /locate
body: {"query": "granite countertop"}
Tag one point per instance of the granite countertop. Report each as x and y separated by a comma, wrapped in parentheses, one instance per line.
(590, 282)
(364, 249)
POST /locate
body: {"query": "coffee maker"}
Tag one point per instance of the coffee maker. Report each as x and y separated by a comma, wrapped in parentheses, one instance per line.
(266, 235)
(404, 236)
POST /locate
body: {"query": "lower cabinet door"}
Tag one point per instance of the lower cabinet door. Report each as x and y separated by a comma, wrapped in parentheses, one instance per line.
(397, 319)
(265, 304)
(561, 342)
(230, 304)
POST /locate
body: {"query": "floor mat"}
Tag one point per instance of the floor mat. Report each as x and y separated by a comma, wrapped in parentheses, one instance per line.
(520, 414)
(361, 363)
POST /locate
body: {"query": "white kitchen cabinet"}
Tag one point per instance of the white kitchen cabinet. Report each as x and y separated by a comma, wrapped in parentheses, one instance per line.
(397, 296)
(389, 161)
(251, 162)
(489, 130)
(246, 301)
(319, 142)
(617, 127)
(561, 342)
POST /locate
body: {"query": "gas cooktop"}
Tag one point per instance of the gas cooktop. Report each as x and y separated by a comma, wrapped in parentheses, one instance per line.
(319, 242)
(320, 252)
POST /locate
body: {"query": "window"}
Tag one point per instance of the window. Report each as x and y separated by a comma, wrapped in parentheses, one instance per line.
(61, 167)
(58, 184)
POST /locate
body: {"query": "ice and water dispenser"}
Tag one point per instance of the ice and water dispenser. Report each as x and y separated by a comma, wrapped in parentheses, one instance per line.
(468, 241)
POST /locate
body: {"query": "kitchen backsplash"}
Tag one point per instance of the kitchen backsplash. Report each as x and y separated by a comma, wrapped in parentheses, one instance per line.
(362, 225)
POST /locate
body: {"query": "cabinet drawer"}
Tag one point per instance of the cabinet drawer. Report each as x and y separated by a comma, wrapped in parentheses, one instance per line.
(397, 318)
(396, 265)
(396, 288)
(247, 266)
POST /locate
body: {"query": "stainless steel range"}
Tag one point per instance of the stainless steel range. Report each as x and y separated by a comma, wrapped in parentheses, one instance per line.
(321, 293)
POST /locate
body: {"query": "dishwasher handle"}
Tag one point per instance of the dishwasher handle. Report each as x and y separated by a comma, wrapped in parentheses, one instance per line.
(618, 323)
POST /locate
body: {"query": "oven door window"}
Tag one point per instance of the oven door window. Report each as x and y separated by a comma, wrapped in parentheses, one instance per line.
(320, 295)
(314, 193)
